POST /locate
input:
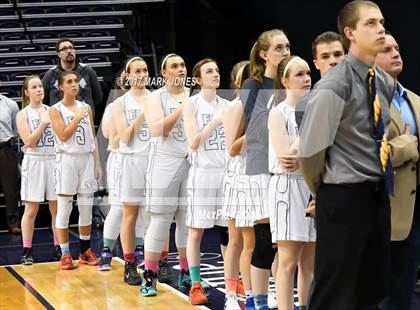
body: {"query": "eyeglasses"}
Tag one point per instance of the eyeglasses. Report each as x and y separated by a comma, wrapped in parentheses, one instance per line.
(66, 49)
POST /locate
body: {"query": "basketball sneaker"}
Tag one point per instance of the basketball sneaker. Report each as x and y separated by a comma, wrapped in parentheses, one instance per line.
(66, 263)
(131, 276)
(27, 258)
(197, 296)
(164, 271)
(148, 284)
(105, 260)
(88, 258)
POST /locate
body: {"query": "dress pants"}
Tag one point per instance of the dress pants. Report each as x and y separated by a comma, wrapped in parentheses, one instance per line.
(405, 261)
(352, 247)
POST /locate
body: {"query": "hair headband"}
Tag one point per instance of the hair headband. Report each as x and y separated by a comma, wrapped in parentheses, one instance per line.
(165, 59)
(131, 60)
(289, 64)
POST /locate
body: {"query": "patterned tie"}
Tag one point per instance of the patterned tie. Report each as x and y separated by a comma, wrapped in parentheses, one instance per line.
(380, 134)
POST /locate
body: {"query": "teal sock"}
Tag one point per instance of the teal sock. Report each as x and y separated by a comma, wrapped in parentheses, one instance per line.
(140, 241)
(260, 302)
(109, 243)
(194, 273)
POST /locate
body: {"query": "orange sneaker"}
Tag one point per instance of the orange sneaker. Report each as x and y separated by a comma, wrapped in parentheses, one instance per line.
(66, 263)
(240, 290)
(89, 258)
(197, 296)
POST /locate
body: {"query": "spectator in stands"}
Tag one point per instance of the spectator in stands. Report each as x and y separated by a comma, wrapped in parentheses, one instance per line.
(90, 90)
(8, 161)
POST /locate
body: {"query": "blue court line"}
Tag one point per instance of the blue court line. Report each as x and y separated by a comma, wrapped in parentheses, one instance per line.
(33, 291)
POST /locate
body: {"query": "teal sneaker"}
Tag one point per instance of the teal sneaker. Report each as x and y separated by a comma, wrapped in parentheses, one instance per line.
(148, 284)
(184, 280)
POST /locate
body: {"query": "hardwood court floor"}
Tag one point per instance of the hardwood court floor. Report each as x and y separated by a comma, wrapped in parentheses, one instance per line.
(43, 286)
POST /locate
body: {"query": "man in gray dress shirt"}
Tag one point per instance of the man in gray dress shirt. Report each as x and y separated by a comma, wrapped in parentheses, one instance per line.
(8, 161)
(340, 161)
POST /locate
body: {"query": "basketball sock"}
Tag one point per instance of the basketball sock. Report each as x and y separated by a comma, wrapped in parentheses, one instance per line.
(183, 263)
(129, 257)
(164, 254)
(65, 249)
(195, 273)
(27, 243)
(231, 284)
(84, 242)
(150, 265)
(140, 241)
(109, 243)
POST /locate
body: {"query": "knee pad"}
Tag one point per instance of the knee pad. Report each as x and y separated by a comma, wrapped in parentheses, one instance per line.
(64, 207)
(223, 234)
(157, 233)
(113, 223)
(264, 252)
(142, 223)
(85, 204)
(181, 231)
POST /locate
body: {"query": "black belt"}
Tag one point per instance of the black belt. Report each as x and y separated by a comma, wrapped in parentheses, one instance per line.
(6, 144)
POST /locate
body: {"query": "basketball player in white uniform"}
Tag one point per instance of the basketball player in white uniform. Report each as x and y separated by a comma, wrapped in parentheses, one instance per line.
(134, 138)
(77, 167)
(288, 193)
(238, 205)
(206, 138)
(167, 171)
(37, 178)
(113, 219)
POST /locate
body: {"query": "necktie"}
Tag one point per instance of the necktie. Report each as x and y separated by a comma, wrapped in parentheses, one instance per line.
(380, 134)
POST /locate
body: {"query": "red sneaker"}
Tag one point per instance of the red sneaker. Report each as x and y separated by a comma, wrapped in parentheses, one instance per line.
(240, 290)
(197, 296)
(89, 258)
(66, 263)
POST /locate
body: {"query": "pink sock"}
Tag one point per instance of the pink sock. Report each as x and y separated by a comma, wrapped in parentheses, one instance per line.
(151, 265)
(56, 242)
(27, 243)
(183, 263)
(129, 257)
(164, 255)
(231, 284)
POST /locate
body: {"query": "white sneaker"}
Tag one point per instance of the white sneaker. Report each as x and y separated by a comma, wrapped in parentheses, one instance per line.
(271, 300)
(232, 302)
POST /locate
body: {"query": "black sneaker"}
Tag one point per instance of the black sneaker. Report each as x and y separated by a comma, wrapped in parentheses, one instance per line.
(131, 276)
(57, 253)
(27, 258)
(164, 271)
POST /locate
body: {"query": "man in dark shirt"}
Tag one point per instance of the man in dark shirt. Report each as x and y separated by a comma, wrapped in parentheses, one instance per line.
(340, 159)
(90, 89)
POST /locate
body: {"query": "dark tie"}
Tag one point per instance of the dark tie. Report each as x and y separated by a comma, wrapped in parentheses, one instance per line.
(380, 134)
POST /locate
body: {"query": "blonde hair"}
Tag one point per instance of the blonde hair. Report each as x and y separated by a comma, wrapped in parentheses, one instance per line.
(25, 85)
(257, 65)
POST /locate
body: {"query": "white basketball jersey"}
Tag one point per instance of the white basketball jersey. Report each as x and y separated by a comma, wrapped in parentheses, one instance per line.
(175, 144)
(82, 140)
(46, 143)
(236, 164)
(140, 143)
(212, 153)
(292, 129)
